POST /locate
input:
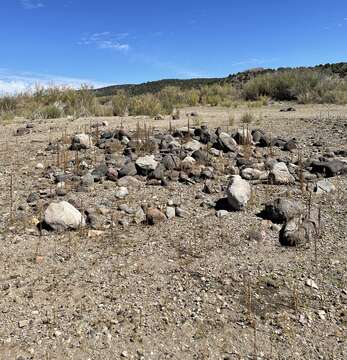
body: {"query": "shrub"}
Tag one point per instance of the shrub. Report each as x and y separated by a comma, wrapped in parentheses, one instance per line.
(119, 104)
(144, 105)
(247, 118)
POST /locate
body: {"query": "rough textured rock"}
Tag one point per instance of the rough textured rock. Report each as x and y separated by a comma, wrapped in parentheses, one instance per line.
(324, 187)
(254, 174)
(121, 192)
(100, 172)
(63, 216)
(146, 164)
(192, 145)
(128, 169)
(280, 175)
(170, 212)
(188, 162)
(238, 192)
(154, 216)
(298, 231)
(112, 174)
(281, 210)
(225, 143)
(329, 168)
(81, 141)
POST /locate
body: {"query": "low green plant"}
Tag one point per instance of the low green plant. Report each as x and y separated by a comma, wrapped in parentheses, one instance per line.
(247, 118)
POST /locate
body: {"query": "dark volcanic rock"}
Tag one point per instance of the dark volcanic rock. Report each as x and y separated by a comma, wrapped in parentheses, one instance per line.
(329, 168)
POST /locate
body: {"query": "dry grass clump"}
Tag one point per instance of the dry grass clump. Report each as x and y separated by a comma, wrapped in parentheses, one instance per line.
(302, 85)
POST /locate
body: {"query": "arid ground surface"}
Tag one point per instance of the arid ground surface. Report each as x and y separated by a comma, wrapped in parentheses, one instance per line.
(193, 287)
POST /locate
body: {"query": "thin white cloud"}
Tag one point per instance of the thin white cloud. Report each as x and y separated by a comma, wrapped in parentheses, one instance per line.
(106, 40)
(16, 82)
(32, 4)
(254, 62)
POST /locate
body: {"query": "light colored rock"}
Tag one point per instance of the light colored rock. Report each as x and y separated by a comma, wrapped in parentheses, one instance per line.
(254, 174)
(121, 192)
(238, 192)
(215, 152)
(125, 140)
(63, 216)
(83, 141)
(311, 283)
(221, 213)
(280, 175)
(192, 145)
(39, 166)
(324, 186)
(188, 161)
(170, 212)
(147, 163)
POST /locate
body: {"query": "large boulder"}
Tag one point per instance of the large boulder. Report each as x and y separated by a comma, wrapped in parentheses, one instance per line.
(281, 210)
(238, 193)
(81, 141)
(280, 175)
(63, 216)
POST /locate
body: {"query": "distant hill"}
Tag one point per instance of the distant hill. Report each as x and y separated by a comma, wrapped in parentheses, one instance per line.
(237, 80)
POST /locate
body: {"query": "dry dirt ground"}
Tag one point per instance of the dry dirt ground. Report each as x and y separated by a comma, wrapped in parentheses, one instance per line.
(198, 287)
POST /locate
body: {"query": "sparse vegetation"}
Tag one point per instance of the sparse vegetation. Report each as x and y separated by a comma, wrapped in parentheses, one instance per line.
(323, 84)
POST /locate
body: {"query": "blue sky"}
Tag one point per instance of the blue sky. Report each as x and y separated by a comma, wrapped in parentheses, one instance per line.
(104, 42)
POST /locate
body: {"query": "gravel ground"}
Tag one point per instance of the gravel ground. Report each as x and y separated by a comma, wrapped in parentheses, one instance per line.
(197, 287)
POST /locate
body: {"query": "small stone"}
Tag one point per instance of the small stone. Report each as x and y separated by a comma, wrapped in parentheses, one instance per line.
(39, 166)
(154, 216)
(311, 283)
(121, 193)
(170, 212)
(23, 323)
(182, 213)
(321, 314)
(221, 213)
